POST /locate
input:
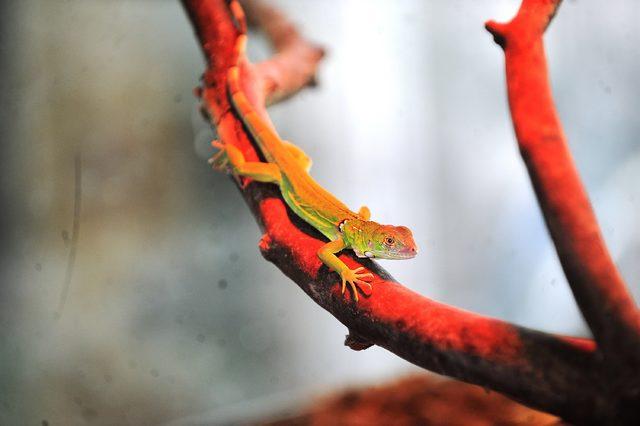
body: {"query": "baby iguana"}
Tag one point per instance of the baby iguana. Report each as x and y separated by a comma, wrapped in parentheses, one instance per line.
(288, 167)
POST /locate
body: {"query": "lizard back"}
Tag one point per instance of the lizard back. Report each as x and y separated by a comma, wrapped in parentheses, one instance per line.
(306, 197)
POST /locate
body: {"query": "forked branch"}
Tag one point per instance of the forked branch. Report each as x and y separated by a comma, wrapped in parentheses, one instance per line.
(553, 373)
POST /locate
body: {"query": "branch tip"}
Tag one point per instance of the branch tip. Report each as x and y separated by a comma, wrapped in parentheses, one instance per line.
(498, 31)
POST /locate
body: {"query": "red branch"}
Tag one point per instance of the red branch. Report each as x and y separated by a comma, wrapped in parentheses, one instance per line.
(596, 283)
(556, 374)
(295, 62)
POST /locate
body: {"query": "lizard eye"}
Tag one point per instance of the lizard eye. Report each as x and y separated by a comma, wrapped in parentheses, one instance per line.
(389, 241)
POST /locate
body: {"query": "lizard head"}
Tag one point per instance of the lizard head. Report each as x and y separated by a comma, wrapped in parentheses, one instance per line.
(381, 241)
(392, 242)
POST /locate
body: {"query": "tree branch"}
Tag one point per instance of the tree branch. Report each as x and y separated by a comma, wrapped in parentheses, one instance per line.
(296, 60)
(557, 374)
(595, 281)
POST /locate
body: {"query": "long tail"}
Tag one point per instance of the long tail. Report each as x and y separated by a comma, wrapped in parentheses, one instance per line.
(238, 15)
(264, 135)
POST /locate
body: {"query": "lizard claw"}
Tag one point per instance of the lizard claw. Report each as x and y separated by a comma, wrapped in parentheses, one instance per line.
(220, 160)
(356, 280)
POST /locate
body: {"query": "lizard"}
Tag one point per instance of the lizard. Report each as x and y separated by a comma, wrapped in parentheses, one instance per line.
(288, 167)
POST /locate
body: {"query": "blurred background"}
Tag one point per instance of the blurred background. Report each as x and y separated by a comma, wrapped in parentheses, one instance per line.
(170, 314)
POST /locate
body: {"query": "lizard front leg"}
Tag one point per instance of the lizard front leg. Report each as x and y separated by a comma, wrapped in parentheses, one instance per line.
(257, 170)
(351, 276)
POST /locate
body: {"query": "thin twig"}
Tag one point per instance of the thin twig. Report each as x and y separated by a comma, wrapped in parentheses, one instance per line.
(295, 61)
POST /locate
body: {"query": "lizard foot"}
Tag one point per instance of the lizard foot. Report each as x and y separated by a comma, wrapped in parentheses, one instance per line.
(356, 280)
(220, 160)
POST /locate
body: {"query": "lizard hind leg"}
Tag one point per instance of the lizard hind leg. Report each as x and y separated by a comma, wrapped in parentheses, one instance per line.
(230, 156)
(364, 213)
(219, 161)
(301, 157)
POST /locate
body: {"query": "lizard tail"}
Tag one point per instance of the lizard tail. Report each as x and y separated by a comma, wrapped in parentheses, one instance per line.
(236, 95)
(264, 135)
(238, 15)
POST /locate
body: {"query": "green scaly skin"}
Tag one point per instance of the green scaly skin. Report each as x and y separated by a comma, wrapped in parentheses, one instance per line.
(288, 167)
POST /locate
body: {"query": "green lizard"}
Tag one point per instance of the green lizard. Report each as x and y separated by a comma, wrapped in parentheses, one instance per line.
(288, 167)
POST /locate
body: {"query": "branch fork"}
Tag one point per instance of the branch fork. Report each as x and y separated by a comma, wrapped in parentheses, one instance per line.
(581, 380)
